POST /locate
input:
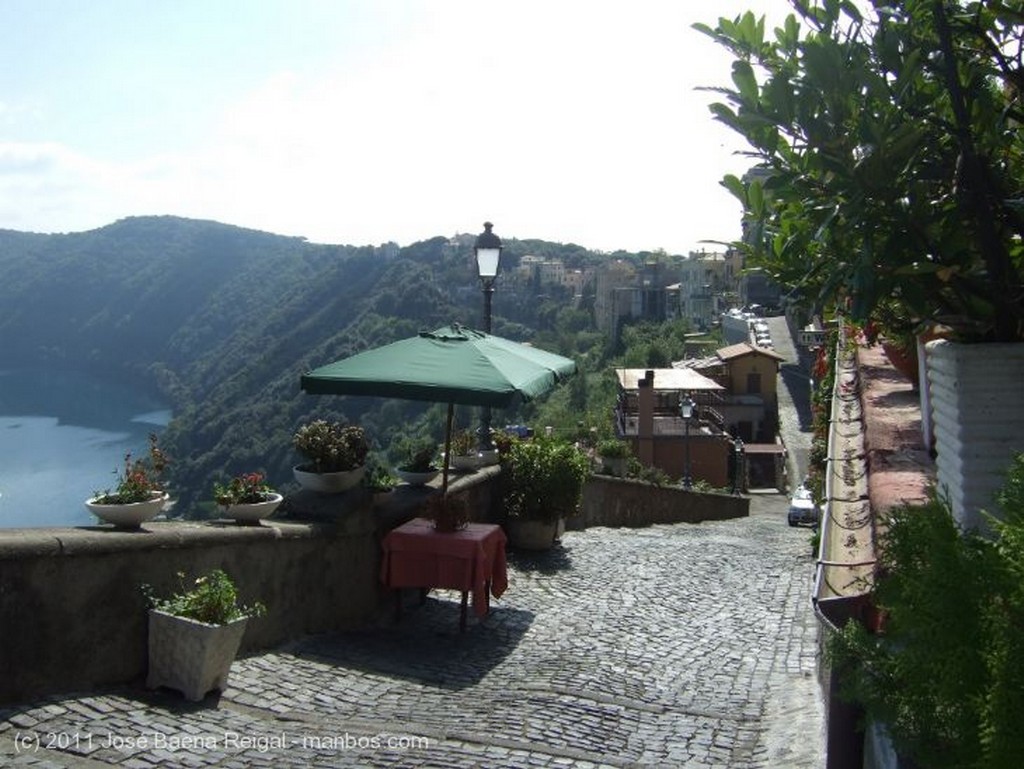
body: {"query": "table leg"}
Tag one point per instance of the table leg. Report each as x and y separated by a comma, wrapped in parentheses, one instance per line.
(462, 612)
(398, 603)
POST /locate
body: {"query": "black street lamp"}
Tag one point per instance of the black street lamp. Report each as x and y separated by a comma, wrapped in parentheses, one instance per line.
(488, 263)
(686, 411)
(737, 486)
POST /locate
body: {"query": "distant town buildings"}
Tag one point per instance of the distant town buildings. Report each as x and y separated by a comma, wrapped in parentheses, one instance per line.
(699, 287)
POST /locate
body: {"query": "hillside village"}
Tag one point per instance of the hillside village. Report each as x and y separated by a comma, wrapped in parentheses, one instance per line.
(730, 440)
(699, 287)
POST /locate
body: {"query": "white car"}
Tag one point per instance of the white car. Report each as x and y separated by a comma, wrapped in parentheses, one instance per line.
(802, 508)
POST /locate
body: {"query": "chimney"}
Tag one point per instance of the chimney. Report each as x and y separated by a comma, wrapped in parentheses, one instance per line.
(645, 419)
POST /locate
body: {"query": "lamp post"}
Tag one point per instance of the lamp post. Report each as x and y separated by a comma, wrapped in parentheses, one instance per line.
(738, 449)
(488, 262)
(686, 409)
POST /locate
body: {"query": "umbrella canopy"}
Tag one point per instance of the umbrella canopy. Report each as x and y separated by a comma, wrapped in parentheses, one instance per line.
(450, 365)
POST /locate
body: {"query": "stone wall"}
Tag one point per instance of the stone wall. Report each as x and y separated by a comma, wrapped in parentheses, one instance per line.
(609, 501)
(73, 616)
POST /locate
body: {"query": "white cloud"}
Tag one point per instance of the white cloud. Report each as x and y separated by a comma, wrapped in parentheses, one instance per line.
(561, 121)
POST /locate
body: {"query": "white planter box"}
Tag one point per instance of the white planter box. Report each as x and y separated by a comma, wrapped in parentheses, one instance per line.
(191, 656)
(977, 418)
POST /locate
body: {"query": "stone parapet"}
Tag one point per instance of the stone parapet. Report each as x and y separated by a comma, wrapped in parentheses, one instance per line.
(73, 615)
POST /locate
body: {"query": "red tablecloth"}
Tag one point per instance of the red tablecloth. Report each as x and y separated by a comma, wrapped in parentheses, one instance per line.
(415, 555)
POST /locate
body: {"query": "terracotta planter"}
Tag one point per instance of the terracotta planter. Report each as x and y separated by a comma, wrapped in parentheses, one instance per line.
(131, 515)
(191, 656)
(904, 360)
(328, 483)
(253, 512)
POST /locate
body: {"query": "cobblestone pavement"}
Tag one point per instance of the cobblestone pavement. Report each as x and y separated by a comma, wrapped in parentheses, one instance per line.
(685, 645)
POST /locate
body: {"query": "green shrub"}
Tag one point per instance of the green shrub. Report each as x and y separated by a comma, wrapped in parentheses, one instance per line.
(212, 599)
(613, 448)
(545, 479)
(946, 675)
(331, 446)
(378, 478)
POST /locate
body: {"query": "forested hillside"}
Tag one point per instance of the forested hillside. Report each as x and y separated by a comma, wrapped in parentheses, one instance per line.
(221, 321)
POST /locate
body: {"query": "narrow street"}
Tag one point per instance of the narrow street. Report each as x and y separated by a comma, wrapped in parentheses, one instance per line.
(794, 391)
(689, 645)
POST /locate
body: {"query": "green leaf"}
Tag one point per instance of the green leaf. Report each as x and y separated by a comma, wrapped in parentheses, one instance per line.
(743, 77)
(735, 187)
(755, 198)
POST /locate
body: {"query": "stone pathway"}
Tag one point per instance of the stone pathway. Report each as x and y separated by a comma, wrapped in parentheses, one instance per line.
(685, 645)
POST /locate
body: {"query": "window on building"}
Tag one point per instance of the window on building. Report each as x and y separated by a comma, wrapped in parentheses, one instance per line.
(754, 383)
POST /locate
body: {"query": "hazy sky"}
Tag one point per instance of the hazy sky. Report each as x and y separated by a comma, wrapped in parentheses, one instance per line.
(363, 121)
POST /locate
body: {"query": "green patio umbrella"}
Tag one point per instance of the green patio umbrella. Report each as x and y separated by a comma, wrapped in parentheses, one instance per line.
(453, 365)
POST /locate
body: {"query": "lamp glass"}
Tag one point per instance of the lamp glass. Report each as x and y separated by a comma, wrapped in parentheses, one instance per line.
(487, 261)
(686, 408)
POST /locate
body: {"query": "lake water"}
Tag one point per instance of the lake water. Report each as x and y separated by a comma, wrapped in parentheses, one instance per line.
(62, 437)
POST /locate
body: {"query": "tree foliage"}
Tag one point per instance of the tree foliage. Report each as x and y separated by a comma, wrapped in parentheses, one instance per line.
(888, 161)
(220, 322)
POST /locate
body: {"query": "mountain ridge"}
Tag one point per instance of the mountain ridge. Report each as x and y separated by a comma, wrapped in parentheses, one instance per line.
(221, 321)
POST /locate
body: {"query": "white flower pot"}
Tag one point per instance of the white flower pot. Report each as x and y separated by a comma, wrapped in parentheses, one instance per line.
(417, 478)
(465, 462)
(489, 457)
(328, 483)
(978, 422)
(191, 656)
(253, 512)
(131, 515)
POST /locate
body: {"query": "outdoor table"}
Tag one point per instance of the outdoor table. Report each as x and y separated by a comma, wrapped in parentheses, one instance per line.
(469, 559)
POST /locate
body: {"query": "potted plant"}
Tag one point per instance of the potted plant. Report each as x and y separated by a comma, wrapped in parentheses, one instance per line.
(447, 512)
(380, 484)
(543, 486)
(335, 454)
(464, 455)
(247, 498)
(418, 468)
(139, 495)
(614, 456)
(888, 174)
(195, 633)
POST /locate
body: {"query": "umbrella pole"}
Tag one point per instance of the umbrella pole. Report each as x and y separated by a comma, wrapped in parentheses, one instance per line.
(447, 449)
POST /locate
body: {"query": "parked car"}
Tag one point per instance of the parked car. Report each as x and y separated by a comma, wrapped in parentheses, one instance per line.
(802, 508)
